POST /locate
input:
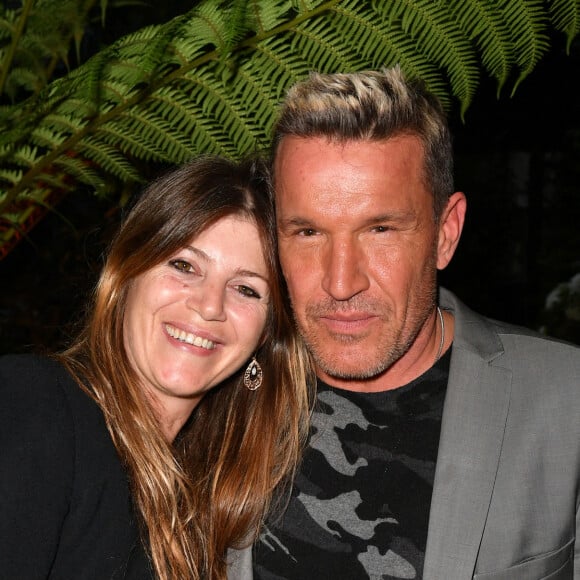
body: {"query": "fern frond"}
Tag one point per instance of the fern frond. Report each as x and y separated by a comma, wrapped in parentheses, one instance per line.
(267, 15)
(25, 157)
(485, 26)
(10, 177)
(174, 104)
(19, 24)
(439, 38)
(565, 16)
(79, 169)
(109, 159)
(391, 44)
(37, 38)
(210, 80)
(22, 78)
(527, 21)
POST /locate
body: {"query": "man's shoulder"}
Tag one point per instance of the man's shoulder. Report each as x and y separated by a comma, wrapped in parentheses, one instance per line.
(520, 342)
(534, 338)
(493, 337)
(537, 363)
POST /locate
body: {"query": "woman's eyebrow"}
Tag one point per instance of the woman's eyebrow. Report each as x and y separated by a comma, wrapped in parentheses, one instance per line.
(239, 271)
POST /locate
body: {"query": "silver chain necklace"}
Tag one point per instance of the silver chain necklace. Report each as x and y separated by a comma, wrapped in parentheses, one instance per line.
(442, 323)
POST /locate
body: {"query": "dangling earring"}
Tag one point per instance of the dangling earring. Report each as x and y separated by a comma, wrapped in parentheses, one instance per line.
(253, 375)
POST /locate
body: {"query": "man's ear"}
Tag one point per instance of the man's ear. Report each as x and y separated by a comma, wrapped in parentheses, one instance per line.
(450, 228)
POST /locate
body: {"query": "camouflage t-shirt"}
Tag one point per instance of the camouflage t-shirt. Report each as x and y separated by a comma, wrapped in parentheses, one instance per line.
(360, 503)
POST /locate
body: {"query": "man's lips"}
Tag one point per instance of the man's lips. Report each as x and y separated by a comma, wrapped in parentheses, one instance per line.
(347, 323)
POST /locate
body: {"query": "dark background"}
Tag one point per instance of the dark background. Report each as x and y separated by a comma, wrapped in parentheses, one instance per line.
(517, 160)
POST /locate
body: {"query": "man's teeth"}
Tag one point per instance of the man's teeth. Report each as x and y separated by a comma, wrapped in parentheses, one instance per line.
(189, 337)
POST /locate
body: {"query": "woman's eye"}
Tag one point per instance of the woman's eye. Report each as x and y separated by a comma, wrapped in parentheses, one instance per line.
(181, 265)
(247, 291)
(307, 232)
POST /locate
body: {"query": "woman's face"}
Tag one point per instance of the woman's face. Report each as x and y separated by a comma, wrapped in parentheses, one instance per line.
(196, 318)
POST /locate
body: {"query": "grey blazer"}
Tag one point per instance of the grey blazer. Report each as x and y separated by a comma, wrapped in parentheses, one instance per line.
(505, 502)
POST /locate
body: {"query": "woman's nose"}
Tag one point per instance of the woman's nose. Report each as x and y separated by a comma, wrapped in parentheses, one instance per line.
(208, 301)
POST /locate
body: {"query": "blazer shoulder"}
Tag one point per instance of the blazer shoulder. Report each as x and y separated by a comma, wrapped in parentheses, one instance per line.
(497, 340)
(536, 344)
(542, 368)
(505, 328)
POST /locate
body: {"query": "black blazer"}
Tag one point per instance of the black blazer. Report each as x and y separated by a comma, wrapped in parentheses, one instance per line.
(65, 506)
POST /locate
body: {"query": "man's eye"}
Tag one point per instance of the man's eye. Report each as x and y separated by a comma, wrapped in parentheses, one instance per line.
(307, 232)
(247, 291)
(181, 265)
(381, 229)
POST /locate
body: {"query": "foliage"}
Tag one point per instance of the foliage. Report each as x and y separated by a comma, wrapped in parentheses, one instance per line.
(209, 81)
(562, 310)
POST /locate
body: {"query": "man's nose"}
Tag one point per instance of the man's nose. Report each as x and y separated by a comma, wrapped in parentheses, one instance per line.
(344, 268)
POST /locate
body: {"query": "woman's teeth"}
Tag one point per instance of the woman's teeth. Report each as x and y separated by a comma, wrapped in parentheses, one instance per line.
(189, 338)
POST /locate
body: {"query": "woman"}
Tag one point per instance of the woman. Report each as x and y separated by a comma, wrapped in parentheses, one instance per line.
(167, 470)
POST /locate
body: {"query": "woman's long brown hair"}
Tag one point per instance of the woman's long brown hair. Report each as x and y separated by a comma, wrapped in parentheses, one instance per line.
(211, 488)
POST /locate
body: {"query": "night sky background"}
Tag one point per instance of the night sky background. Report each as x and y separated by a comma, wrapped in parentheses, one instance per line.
(516, 158)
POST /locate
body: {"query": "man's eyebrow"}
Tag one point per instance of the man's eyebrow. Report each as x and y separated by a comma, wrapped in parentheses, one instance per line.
(294, 221)
(395, 216)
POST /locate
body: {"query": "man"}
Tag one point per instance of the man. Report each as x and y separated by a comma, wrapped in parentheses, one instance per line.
(444, 445)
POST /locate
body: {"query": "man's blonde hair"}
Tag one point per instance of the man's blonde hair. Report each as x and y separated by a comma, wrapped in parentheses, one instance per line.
(372, 106)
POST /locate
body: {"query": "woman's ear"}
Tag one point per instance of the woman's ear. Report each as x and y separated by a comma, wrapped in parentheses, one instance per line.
(450, 228)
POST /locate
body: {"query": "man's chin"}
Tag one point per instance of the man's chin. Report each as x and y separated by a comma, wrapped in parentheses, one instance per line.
(346, 370)
(345, 357)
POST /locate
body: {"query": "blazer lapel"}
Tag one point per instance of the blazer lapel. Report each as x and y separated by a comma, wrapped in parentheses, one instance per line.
(472, 432)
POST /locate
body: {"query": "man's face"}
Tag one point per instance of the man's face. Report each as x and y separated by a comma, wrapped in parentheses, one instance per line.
(359, 250)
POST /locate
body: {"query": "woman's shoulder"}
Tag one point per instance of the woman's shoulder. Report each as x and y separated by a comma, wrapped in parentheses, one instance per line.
(17, 370)
(38, 389)
(65, 490)
(44, 408)
(30, 375)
